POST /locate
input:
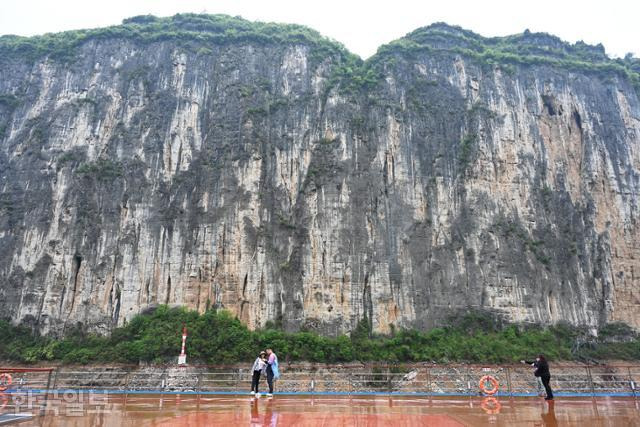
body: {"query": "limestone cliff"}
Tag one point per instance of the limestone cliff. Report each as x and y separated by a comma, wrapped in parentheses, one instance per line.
(208, 161)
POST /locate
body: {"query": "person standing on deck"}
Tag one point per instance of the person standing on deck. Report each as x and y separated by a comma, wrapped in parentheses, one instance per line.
(258, 366)
(273, 372)
(542, 371)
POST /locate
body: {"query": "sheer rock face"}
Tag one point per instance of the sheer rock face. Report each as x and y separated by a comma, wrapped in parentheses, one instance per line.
(244, 178)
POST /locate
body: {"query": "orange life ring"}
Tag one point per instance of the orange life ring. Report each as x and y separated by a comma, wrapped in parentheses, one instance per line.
(5, 381)
(494, 385)
(490, 405)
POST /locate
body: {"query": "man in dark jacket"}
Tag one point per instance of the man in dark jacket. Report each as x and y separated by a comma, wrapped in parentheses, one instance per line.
(542, 371)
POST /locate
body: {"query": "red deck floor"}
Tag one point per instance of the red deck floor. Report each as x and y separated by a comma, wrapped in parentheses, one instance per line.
(236, 411)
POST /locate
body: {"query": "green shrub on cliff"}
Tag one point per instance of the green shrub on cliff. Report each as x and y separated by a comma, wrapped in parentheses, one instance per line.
(218, 337)
(190, 31)
(199, 33)
(102, 169)
(20, 344)
(508, 53)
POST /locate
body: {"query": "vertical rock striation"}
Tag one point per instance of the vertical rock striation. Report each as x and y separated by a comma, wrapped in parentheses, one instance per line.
(211, 162)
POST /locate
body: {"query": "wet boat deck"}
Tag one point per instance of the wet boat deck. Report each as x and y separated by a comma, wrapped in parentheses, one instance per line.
(282, 410)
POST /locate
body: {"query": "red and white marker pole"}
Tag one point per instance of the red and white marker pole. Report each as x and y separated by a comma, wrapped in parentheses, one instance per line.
(182, 359)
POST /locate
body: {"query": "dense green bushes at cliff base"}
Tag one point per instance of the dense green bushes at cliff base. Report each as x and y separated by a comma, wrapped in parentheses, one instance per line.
(217, 337)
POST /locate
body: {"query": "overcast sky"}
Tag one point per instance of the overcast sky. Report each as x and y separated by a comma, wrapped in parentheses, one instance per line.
(360, 25)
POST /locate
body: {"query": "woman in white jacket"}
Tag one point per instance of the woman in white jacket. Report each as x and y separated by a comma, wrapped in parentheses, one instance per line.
(258, 367)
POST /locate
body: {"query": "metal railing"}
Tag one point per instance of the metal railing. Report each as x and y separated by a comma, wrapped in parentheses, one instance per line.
(462, 380)
(20, 386)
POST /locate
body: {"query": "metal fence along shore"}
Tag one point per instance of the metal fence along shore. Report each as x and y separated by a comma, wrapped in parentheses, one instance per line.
(426, 380)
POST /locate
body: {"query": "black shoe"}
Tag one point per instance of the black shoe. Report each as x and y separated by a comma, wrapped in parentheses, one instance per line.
(548, 398)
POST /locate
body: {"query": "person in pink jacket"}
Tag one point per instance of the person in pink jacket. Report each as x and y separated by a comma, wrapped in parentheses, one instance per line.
(272, 370)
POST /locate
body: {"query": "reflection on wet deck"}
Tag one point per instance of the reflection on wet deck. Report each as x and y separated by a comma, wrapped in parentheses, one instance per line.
(282, 410)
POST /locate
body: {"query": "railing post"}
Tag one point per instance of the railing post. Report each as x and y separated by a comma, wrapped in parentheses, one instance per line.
(43, 407)
(126, 382)
(198, 377)
(429, 380)
(468, 375)
(55, 380)
(127, 378)
(49, 381)
(632, 385)
(165, 380)
(509, 381)
(591, 381)
(350, 383)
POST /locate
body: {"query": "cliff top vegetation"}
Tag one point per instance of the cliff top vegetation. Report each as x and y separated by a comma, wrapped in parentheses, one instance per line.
(188, 30)
(522, 49)
(197, 31)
